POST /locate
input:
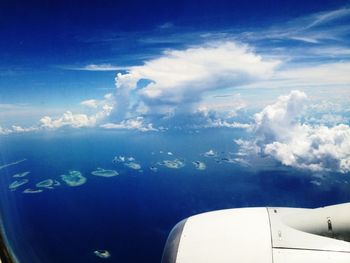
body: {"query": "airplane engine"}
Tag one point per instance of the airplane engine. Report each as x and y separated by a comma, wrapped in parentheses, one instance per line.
(262, 235)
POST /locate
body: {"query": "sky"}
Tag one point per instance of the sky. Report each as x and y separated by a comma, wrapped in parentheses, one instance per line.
(117, 64)
(277, 70)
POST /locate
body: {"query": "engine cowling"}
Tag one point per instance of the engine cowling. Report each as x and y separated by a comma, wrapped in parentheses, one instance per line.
(263, 235)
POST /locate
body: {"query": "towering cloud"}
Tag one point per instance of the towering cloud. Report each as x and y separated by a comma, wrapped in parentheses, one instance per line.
(180, 77)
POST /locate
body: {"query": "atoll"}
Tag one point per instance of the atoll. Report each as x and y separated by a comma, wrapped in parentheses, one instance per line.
(105, 173)
(56, 183)
(14, 185)
(48, 183)
(199, 165)
(153, 169)
(210, 153)
(102, 253)
(133, 165)
(73, 178)
(32, 191)
(118, 159)
(21, 174)
(173, 164)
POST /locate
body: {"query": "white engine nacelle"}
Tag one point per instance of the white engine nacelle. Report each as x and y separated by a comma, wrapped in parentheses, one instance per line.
(262, 235)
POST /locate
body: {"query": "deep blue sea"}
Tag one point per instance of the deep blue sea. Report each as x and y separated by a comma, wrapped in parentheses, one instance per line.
(131, 214)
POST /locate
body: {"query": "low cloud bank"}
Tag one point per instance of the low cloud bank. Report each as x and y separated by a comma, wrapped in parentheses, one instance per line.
(17, 129)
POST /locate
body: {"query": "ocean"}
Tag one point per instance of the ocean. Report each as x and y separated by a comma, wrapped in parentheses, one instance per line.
(130, 215)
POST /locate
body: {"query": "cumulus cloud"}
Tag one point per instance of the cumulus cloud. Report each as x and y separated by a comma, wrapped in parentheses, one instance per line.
(102, 109)
(68, 119)
(274, 121)
(280, 134)
(131, 124)
(75, 120)
(181, 77)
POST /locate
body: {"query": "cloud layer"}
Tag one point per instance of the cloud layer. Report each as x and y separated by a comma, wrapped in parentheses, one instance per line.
(280, 134)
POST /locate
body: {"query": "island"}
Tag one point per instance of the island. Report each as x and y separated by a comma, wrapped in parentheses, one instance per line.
(105, 173)
(73, 178)
(48, 183)
(21, 174)
(102, 253)
(199, 165)
(133, 165)
(14, 185)
(32, 191)
(173, 164)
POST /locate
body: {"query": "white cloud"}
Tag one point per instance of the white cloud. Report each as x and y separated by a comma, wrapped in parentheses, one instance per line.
(219, 123)
(108, 96)
(327, 74)
(315, 148)
(275, 120)
(230, 104)
(90, 103)
(166, 25)
(103, 109)
(4, 131)
(281, 135)
(98, 67)
(17, 129)
(137, 123)
(328, 119)
(67, 119)
(247, 147)
(308, 76)
(328, 16)
(182, 76)
(316, 28)
(305, 39)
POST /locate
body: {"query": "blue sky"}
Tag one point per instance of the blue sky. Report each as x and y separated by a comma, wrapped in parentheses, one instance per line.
(277, 70)
(56, 55)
